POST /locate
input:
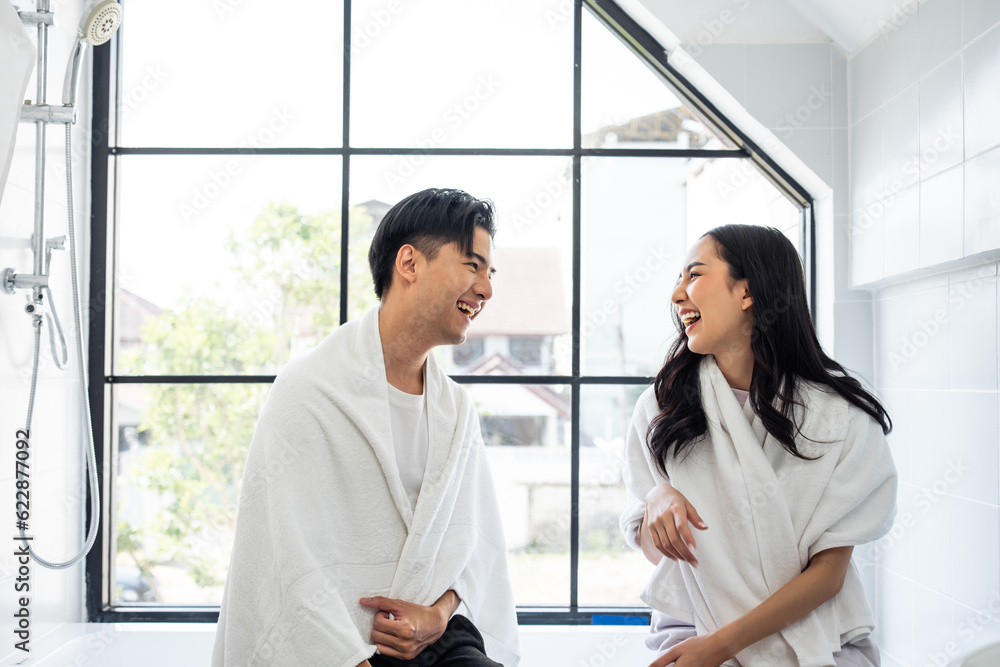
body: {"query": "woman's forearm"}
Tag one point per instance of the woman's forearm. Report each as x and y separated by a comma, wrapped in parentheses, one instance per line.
(820, 581)
(652, 554)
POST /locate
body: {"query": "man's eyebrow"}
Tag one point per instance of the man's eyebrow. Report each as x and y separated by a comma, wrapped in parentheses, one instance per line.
(482, 260)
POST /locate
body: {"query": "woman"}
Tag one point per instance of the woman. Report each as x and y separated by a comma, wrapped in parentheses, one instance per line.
(778, 458)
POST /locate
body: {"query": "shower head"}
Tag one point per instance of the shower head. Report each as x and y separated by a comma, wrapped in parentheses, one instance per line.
(101, 19)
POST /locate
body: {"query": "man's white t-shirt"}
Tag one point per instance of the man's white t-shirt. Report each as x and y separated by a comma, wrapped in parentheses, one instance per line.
(408, 414)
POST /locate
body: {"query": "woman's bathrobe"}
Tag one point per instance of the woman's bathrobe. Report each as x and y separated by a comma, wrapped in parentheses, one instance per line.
(324, 518)
(768, 512)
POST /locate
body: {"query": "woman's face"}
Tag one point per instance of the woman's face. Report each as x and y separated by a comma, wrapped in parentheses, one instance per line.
(717, 315)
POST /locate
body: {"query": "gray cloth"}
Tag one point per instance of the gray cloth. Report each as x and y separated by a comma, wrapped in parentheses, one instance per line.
(665, 632)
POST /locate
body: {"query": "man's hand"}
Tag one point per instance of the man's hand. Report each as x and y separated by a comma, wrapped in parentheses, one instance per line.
(403, 629)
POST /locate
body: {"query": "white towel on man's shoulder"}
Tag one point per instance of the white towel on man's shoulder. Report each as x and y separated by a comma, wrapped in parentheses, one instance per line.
(768, 513)
(324, 518)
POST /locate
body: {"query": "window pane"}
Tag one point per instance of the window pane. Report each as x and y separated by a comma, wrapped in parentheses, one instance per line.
(525, 327)
(625, 105)
(228, 264)
(455, 73)
(526, 429)
(666, 203)
(231, 74)
(180, 453)
(611, 573)
(720, 191)
(634, 239)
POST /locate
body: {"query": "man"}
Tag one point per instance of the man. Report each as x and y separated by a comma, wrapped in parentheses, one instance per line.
(367, 516)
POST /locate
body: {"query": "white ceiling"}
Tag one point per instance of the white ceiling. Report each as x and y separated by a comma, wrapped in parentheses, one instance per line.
(850, 24)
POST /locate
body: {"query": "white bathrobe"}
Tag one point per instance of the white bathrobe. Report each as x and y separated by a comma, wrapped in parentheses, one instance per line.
(768, 513)
(324, 518)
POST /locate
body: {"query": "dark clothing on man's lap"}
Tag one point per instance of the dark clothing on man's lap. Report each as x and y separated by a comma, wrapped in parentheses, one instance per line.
(461, 645)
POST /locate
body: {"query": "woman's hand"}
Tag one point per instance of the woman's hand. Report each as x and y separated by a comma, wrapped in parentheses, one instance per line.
(702, 651)
(665, 524)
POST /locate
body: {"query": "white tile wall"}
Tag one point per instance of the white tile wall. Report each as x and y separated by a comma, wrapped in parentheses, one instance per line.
(813, 146)
(942, 219)
(901, 140)
(902, 231)
(933, 622)
(839, 116)
(866, 161)
(978, 17)
(840, 173)
(893, 346)
(867, 92)
(982, 203)
(946, 87)
(976, 576)
(976, 628)
(982, 94)
(972, 451)
(941, 141)
(867, 257)
(726, 64)
(895, 600)
(852, 321)
(782, 83)
(928, 329)
(900, 60)
(940, 32)
(973, 327)
(936, 341)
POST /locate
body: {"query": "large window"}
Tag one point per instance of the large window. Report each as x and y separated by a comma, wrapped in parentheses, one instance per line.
(243, 162)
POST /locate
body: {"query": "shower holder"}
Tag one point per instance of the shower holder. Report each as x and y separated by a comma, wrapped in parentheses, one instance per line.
(12, 280)
(34, 18)
(48, 113)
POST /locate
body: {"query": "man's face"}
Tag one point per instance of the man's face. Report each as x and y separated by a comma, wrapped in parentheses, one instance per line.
(454, 289)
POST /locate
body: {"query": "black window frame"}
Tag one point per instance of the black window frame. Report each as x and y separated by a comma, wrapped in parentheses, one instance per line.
(104, 186)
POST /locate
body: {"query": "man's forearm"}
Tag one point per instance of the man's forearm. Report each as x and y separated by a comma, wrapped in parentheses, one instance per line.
(448, 603)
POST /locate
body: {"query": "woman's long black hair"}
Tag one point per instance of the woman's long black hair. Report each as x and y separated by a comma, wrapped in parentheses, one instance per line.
(783, 342)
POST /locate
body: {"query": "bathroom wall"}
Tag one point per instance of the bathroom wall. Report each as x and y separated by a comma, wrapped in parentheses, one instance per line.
(57, 437)
(925, 222)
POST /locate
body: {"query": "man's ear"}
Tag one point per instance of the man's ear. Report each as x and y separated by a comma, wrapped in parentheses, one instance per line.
(406, 262)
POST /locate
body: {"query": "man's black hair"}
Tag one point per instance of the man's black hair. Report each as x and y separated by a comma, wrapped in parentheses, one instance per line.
(427, 220)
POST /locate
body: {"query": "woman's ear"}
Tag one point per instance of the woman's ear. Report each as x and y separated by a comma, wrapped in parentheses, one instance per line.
(747, 299)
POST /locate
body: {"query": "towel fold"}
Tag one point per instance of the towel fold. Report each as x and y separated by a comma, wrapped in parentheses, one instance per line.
(768, 513)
